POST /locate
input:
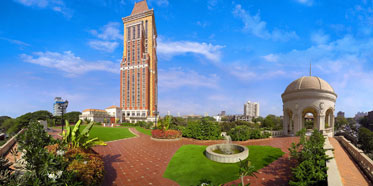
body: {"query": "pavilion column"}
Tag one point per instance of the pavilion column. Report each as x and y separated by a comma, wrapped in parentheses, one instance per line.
(321, 124)
(286, 123)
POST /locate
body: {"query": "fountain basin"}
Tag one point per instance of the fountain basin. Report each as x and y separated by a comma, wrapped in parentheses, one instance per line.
(241, 153)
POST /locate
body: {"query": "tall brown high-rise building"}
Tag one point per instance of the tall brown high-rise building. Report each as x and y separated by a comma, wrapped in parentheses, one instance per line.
(138, 77)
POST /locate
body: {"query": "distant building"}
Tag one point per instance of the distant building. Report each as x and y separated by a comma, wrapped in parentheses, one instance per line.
(243, 118)
(217, 118)
(222, 113)
(59, 106)
(251, 109)
(360, 115)
(341, 114)
(111, 114)
(192, 116)
(138, 69)
(370, 117)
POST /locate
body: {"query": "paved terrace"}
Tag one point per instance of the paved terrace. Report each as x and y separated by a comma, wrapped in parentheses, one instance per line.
(140, 161)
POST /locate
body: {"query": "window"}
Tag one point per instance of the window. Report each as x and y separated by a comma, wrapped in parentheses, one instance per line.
(138, 31)
(138, 88)
(143, 87)
(146, 29)
(128, 33)
(133, 88)
(128, 88)
(128, 52)
(133, 32)
(133, 52)
(138, 52)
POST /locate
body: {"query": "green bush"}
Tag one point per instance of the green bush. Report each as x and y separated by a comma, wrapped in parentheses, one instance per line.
(365, 139)
(243, 133)
(202, 130)
(311, 158)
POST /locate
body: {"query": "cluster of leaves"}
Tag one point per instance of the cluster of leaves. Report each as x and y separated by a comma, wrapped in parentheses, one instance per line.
(7, 175)
(202, 129)
(166, 134)
(365, 139)
(86, 164)
(142, 124)
(311, 158)
(243, 133)
(42, 167)
(75, 138)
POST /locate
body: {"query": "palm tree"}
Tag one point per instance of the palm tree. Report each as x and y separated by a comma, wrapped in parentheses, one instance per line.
(246, 169)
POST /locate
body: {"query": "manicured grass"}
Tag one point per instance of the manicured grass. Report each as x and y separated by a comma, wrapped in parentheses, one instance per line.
(144, 131)
(189, 165)
(109, 133)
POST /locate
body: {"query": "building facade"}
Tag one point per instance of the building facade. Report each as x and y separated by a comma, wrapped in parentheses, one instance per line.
(251, 109)
(59, 106)
(112, 114)
(138, 71)
(341, 114)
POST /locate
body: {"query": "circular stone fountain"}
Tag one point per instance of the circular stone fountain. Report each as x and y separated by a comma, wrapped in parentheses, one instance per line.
(227, 153)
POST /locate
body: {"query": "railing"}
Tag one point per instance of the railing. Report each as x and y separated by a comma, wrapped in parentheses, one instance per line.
(275, 133)
(334, 177)
(365, 163)
(9, 144)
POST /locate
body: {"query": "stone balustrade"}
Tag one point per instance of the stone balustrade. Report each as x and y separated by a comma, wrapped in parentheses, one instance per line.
(364, 162)
(334, 178)
(9, 144)
(275, 133)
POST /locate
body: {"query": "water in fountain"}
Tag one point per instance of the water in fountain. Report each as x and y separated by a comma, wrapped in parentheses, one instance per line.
(227, 148)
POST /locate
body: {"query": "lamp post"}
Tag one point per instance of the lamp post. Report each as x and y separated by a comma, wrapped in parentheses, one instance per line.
(62, 106)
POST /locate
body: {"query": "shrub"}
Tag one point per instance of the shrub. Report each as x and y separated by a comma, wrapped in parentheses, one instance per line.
(76, 138)
(243, 133)
(166, 134)
(202, 130)
(86, 164)
(366, 139)
(311, 158)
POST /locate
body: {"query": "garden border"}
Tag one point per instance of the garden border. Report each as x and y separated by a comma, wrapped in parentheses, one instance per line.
(9, 144)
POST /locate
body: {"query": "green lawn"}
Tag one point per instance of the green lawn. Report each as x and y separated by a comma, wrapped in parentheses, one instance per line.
(144, 131)
(109, 133)
(189, 165)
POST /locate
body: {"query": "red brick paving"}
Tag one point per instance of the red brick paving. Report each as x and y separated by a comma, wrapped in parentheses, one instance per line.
(142, 161)
(348, 169)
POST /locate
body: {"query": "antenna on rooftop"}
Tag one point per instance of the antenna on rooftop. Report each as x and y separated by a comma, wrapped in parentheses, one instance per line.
(310, 68)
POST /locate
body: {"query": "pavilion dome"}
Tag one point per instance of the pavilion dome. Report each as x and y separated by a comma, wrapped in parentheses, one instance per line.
(309, 83)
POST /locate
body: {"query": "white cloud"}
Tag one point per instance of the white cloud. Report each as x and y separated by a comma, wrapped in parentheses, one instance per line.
(106, 46)
(169, 49)
(271, 58)
(319, 37)
(55, 5)
(17, 42)
(109, 34)
(110, 31)
(69, 63)
(176, 77)
(258, 28)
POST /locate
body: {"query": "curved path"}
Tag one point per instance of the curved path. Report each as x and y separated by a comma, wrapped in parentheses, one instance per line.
(142, 161)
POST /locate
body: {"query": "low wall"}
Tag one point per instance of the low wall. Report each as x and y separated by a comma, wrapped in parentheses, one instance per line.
(364, 162)
(334, 178)
(275, 133)
(9, 144)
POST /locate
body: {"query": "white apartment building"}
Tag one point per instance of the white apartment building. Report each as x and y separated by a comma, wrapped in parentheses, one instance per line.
(251, 109)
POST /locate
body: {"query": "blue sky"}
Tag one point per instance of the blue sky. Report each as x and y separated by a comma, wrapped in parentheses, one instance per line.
(213, 55)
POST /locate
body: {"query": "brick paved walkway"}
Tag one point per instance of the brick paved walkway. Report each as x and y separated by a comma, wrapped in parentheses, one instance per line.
(348, 169)
(142, 161)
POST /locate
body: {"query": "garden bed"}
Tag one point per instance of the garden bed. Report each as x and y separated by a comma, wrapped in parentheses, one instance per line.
(189, 165)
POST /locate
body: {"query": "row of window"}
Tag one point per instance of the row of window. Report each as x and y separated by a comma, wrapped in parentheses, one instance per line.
(136, 29)
(133, 88)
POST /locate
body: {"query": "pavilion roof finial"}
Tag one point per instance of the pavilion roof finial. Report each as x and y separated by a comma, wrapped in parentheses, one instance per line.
(310, 68)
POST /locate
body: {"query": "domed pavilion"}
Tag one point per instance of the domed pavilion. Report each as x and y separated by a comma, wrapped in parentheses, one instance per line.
(305, 96)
